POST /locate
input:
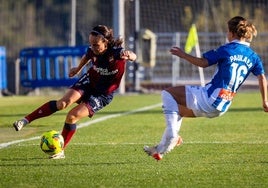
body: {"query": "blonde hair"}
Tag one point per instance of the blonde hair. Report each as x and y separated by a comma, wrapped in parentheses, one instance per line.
(242, 28)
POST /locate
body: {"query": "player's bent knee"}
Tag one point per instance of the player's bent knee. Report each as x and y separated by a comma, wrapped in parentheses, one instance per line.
(169, 104)
(62, 104)
(70, 118)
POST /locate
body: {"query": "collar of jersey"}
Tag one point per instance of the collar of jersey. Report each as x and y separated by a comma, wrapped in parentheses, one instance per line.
(241, 42)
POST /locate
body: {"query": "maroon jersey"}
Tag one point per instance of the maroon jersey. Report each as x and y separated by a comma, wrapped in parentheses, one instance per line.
(106, 70)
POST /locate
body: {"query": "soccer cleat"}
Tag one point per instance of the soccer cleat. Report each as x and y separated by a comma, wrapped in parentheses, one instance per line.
(19, 124)
(180, 141)
(59, 155)
(151, 151)
(157, 156)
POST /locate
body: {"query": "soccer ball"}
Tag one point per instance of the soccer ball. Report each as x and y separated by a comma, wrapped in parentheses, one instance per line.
(52, 142)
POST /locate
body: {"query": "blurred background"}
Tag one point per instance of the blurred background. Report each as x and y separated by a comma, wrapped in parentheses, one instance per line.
(150, 28)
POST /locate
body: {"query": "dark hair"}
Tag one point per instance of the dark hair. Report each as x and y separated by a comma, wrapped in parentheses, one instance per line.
(242, 28)
(107, 34)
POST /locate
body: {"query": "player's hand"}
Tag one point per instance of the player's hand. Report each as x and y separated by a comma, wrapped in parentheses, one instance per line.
(73, 71)
(265, 106)
(128, 55)
(177, 51)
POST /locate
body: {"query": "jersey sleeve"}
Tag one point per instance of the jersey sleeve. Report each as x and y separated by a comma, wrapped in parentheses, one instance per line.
(258, 68)
(115, 82)
(212, 56)
(117, 52)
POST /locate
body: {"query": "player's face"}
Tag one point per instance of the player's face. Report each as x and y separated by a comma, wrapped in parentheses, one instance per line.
(98, 45)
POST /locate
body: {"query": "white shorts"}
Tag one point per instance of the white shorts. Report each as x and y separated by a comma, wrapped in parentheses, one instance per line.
(197, 100)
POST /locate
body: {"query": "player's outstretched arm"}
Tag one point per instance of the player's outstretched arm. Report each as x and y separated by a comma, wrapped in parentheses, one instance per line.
(263, 90)
(200, 62)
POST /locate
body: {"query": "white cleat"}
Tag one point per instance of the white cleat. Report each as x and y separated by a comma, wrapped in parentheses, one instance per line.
(59, 155)
(19, 124)
(151, 151)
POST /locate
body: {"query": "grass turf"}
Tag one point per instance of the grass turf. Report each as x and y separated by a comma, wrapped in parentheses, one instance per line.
(229, 151)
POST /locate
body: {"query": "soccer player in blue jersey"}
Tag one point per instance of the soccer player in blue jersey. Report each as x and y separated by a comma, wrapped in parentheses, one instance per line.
(235, 61)
(94, 90)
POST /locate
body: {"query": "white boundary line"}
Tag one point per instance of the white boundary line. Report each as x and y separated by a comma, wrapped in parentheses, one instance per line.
(86, 124)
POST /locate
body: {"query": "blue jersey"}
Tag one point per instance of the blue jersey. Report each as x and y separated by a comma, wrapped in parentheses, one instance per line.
(234, 61)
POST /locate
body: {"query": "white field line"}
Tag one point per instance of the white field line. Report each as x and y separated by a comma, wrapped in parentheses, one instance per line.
(86, 124)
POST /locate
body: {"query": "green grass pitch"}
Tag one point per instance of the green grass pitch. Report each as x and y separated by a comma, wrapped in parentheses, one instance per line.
(229, 151)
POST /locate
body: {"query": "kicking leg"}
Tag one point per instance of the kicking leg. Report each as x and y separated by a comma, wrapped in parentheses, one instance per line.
(48, 108)
(170, 136)
(174, 108)
(173, 123)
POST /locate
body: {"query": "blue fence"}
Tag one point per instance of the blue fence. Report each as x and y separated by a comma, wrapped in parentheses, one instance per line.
(3, 68)
(49, 66)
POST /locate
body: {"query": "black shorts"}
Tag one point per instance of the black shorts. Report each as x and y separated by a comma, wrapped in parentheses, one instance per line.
(91, 98)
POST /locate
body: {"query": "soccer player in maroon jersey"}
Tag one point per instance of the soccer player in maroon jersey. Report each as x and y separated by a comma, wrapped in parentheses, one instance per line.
(94, 90)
